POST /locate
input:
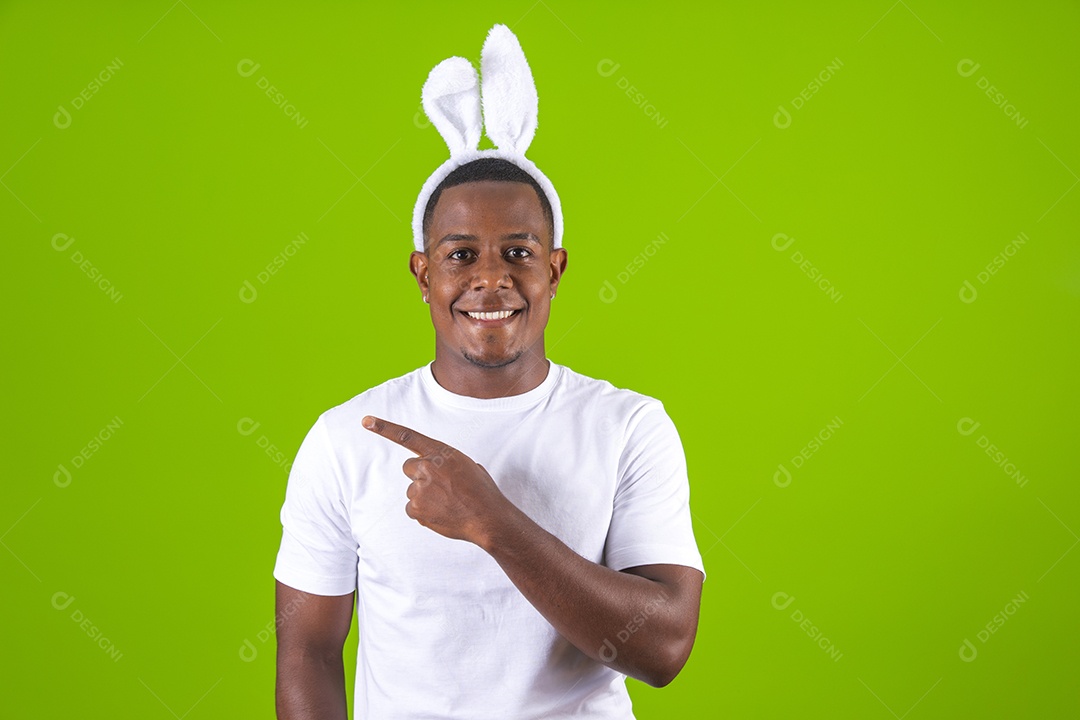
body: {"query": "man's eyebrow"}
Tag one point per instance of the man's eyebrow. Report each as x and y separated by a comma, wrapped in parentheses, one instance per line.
(454, 237)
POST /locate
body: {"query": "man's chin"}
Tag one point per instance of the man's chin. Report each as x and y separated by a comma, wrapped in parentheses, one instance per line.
(492, 362)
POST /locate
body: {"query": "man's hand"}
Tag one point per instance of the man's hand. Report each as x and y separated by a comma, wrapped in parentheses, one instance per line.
(450, 493)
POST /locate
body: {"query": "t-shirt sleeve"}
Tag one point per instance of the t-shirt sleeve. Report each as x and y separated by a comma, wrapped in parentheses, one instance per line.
(318, 554)
(651, 521)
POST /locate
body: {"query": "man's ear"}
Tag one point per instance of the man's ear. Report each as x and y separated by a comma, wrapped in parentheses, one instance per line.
(557, 267)
(418, 266)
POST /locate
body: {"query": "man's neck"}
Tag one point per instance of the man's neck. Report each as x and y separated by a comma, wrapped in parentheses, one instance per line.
(515, 378)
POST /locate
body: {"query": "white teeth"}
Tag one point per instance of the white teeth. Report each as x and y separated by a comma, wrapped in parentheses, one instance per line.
(491, 315)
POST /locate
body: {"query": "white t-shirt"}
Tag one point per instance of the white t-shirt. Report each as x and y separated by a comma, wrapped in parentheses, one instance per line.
(443, 631)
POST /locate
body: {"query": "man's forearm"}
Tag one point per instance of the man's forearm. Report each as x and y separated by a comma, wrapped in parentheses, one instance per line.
(310, 687)
(632, 624)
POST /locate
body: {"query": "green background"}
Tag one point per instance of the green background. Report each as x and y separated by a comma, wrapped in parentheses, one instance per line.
(899, 180)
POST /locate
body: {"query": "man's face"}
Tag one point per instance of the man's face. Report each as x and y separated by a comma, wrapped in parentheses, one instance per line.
(488, 249)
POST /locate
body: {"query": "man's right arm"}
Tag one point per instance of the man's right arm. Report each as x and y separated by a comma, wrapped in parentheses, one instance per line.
(311, 632)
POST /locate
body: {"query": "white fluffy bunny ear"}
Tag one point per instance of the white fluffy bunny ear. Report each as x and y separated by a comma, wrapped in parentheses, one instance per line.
(508, 91)
(451, 99)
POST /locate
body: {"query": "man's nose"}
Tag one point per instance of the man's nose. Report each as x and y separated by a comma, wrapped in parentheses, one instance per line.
(492, 271)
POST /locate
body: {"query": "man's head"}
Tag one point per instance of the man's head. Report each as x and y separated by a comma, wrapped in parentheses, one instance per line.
(493, 169)
(488, 238)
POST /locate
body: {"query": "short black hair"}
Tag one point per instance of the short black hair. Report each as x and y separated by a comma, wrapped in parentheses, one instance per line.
(489, 168)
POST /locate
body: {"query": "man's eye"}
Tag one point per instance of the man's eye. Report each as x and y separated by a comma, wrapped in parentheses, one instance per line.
(454, 255)
(525, 251)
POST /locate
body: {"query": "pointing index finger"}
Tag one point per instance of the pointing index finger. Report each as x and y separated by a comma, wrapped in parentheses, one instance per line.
(406, 437)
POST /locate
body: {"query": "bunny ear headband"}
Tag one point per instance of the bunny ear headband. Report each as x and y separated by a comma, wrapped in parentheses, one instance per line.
(452, 100)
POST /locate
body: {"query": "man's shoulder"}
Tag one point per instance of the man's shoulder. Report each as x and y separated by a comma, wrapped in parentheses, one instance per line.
(371, 401)
(581, 388)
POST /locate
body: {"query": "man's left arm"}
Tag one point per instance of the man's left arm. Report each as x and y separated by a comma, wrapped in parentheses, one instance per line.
(641, 621)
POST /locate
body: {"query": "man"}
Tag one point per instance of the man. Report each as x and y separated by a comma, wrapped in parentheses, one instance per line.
(515, 536)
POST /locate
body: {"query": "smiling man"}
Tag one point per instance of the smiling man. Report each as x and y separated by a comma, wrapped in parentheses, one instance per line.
(514, 536)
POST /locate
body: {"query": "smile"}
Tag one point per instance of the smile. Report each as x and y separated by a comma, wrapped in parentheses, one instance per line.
(491, 318)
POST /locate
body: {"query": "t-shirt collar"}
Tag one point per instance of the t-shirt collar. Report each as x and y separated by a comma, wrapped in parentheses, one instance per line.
(511, 402)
